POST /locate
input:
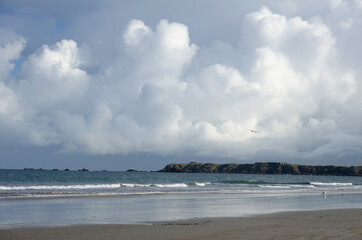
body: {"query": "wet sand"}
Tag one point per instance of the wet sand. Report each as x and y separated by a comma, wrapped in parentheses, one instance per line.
(324, 224)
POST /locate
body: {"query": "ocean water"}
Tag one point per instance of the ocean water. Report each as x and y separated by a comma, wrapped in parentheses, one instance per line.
(20, 184)
(58, 198)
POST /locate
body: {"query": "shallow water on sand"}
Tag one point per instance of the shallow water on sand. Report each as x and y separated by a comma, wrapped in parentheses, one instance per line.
(142, 209)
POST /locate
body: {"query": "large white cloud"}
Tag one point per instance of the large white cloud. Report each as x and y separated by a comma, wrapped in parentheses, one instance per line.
(52, 77)
(282, 93)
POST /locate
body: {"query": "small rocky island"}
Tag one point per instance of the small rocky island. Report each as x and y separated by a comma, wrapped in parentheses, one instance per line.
(263, 168)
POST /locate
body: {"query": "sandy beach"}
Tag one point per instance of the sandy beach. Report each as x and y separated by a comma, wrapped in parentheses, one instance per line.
(322, 224)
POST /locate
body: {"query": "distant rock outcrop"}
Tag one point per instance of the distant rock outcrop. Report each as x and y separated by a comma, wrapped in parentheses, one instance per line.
(263, 168)
(83, 170)
(132, 170)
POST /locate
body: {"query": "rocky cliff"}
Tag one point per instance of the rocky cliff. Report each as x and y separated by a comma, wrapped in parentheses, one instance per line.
(263, 168)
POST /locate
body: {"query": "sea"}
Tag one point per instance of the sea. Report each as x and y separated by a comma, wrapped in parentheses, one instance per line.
(34, 198)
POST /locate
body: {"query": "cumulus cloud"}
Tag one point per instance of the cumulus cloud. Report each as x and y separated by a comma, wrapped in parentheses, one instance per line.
(52, 76)
(9, 109)
(8, 53)
(282, 93)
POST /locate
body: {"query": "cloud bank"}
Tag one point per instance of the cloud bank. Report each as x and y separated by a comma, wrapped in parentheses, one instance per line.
(288, 90)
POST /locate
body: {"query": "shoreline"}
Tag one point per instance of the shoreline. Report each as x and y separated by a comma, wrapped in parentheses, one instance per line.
(316, 224)
(147, 194)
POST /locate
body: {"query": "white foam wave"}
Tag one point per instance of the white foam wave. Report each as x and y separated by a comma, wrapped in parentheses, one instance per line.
(202, 184)
(59, 187)
(331, 184)
(93, 186)
(130, 185)
(172, 185)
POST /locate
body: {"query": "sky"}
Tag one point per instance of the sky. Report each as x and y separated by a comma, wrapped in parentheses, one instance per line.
(120, 84)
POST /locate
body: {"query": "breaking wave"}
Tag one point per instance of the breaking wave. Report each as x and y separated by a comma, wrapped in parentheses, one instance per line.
(59, 187)
(100, 186)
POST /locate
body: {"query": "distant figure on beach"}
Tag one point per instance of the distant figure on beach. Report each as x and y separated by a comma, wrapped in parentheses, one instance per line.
(324, 193)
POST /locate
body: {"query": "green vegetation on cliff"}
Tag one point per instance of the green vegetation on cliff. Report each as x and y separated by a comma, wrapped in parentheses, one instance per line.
(263, 168)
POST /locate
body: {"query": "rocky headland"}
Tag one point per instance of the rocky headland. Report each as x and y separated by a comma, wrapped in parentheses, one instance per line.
(263, 168)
